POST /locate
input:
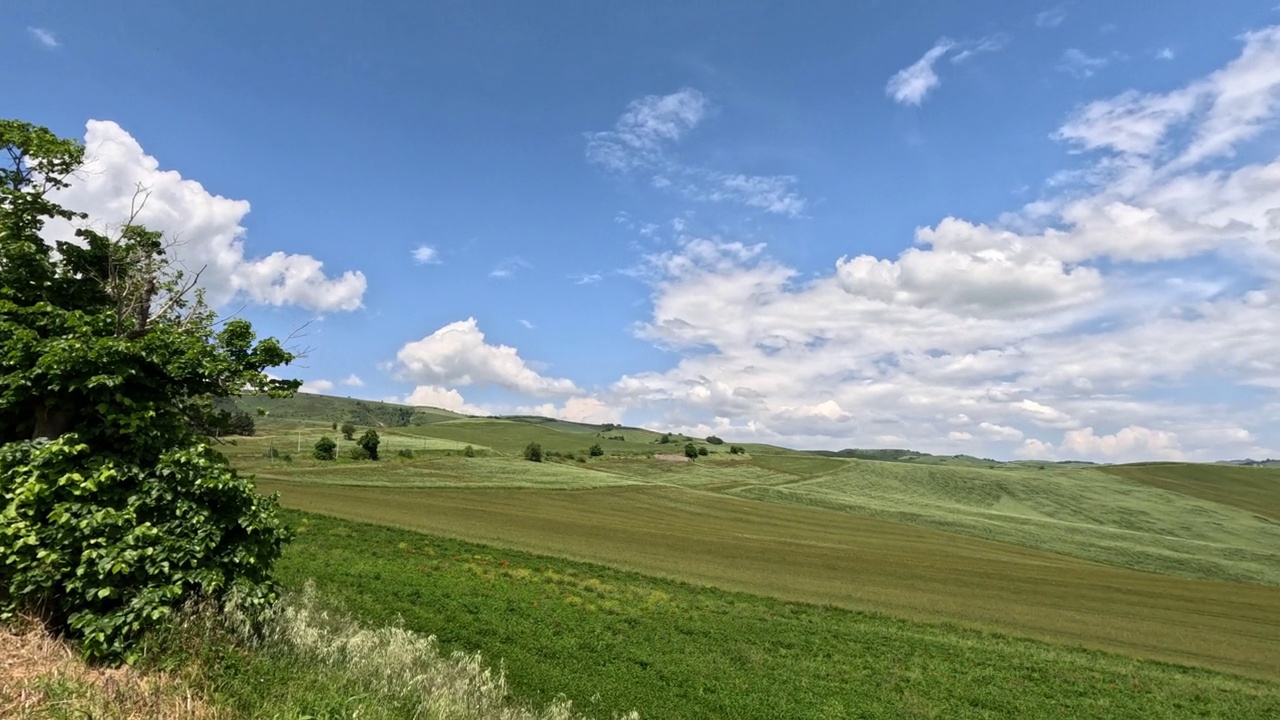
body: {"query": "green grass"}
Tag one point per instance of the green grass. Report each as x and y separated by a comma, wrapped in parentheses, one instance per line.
(821, 556)
(613, 641)
(1255, 489)
(1079, 512)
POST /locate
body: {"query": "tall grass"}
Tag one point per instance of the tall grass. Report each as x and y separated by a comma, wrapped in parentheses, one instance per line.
(308, 660)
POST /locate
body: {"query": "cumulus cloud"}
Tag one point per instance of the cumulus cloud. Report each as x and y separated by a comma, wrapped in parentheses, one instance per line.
(1130, 443)
(207, 229)
(458, 355)
(911, 84)
(579, 409)
(316, 386)
(644, 139)
(353, 380)
(443, 398)
(1064, 329)
(426, 255)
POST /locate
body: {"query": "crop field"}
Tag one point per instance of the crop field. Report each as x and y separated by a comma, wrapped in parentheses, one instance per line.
(614, 641)
(1151, 563)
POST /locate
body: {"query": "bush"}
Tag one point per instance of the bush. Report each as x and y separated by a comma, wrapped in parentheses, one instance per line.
(702, 451)
(334, 426)
(713, 440)
(595, 450)
(405, 453)
(272, 453)
(666, 438)
(112, 553)
(370, 441)
(348, 431)
(356, 452)
(533, 452)
(691, 451)
(468, 451)
(325, 449)
(737, 450)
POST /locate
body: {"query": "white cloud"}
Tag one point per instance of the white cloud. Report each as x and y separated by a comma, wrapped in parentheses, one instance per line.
(1166, 53)
(643, 139)
(640, 136)
(353, 380)
(1062, 329)
(1130, 443)
(426, 255)
(507, 267)
(992, 43)
(316, 386)
(579, 409)
(526, 324)
(586, 279)
(44, 37)
(443, 398)
(910, 85)
(1052, 17)
(210, 238)
(1081, 64)
(457, 354)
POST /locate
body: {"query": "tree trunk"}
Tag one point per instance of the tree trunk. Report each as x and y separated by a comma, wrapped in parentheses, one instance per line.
(52, 422)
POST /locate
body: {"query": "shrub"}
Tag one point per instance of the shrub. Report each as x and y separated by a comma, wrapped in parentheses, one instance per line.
(334, 426)
(325, 449)
(355, 452)
(595, 450)
(737, 450)
(405, 453)
(702, 451)
(666, 438)
(691, 451)
(468, 451)
(713, 440)
(369, 441)
(348, 431)
(533, 452)
(272, 453)
(106, 549)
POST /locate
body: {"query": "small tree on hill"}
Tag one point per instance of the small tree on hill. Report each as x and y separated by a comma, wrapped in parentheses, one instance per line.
(595, 450)
(665, 439)
(348, 431)
(533, 452)
(737, 450)
(713, 440)
(325, 449)
(691, 451)
(468, 451)
(334, 426)
(369, 443)
(702, 451)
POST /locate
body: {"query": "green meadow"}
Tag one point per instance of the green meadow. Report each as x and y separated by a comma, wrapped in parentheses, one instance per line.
(782, 583)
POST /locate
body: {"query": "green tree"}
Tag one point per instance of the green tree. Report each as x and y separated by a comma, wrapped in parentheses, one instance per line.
(348, 431)
(369, 442)
(533, 452)
(666, 438)
(325, 449)
(713, 440)
(114, 509)
(702, 451)
(468, 451)
(595, 450)
(691, 451)
(334, 426)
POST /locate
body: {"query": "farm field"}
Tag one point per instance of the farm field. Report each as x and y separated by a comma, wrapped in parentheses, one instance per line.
(1129, 566)
(614, 641)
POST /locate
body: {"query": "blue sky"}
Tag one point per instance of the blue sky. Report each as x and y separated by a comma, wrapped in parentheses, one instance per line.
(1005, 229)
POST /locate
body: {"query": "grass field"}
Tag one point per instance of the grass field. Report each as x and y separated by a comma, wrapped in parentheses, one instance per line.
(820, 556)
(1255, 489)
(1160, 562)
(613, 641)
